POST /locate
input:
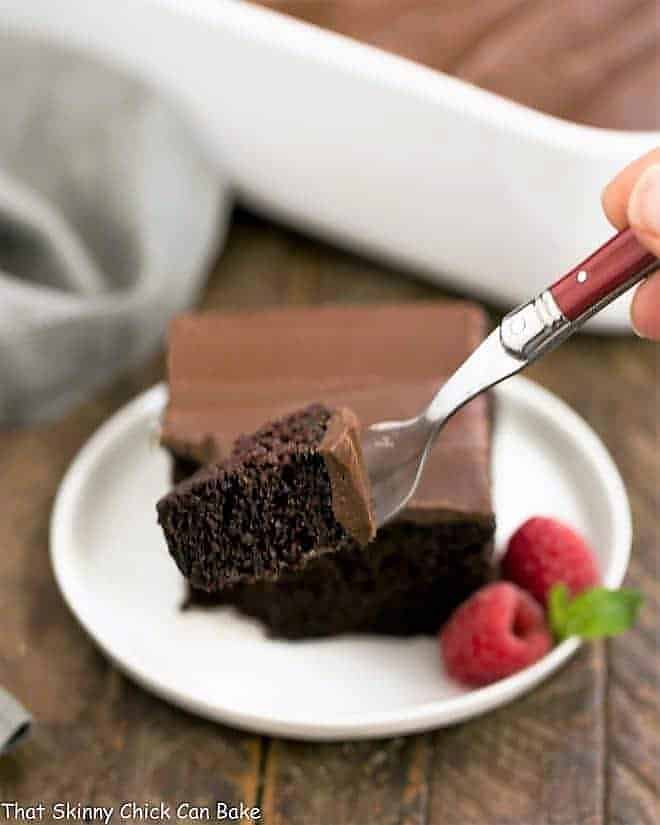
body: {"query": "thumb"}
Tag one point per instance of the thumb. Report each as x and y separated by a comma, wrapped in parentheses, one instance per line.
(644, 219)
(644, 208)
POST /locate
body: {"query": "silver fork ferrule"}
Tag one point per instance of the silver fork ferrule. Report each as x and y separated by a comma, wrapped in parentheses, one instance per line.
(534, 327)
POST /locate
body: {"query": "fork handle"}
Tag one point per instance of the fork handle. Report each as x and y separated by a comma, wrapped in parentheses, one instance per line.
(540, 325)
(603, 276)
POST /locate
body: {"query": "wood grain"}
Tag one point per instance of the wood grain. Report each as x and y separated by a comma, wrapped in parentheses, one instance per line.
(371, 783)
(623, 406)
(583, 749)
(633, 776)
(594, 61)
(99, 739)
(536, 761)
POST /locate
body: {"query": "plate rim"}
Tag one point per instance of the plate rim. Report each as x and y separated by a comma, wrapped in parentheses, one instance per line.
(354, 725)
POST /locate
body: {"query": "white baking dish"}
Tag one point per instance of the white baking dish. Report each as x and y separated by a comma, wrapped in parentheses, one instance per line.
(362, 147)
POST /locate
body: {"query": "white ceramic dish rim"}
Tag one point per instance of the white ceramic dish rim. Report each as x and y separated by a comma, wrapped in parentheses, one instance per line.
(352, 725)
(196, 41)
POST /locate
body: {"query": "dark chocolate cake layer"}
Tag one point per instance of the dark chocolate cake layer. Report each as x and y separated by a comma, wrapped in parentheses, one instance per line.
(407, 581)
(293, 490)
(231, 372)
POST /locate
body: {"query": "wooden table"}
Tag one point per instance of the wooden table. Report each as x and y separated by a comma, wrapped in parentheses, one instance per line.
(582, 749)
(593, 61)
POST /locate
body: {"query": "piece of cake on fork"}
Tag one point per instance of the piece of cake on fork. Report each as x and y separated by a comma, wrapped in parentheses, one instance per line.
(295, 489)
(231, 373)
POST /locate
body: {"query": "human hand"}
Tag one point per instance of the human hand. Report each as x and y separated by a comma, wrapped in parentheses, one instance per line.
(633, 199)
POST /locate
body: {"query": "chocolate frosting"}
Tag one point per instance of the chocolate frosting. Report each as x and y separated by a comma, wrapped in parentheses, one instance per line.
(230, 373)
(351, 491)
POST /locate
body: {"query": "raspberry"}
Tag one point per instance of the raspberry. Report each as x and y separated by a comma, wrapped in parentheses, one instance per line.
(544, 552)
(499, 630)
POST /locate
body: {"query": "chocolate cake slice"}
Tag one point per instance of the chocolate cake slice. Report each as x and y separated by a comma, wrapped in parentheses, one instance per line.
(293, 490)
(231, 372)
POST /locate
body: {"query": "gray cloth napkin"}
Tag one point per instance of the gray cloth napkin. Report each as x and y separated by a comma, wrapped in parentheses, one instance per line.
(15, 722)
(109, 213)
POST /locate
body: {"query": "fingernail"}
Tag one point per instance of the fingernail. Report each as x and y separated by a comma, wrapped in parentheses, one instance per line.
(643, 319)
(644, 203)
(634, 327)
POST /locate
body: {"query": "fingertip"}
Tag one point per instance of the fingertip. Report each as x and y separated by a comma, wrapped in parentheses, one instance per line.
(645, 309)
(613, 200)
(616, 194)
(644, 208)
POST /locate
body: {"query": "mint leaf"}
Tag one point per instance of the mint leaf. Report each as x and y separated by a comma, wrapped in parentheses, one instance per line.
(558, 600)
(600, 612)
(594, 614)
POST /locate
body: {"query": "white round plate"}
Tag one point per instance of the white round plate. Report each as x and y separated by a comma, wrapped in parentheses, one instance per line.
(112, 567)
